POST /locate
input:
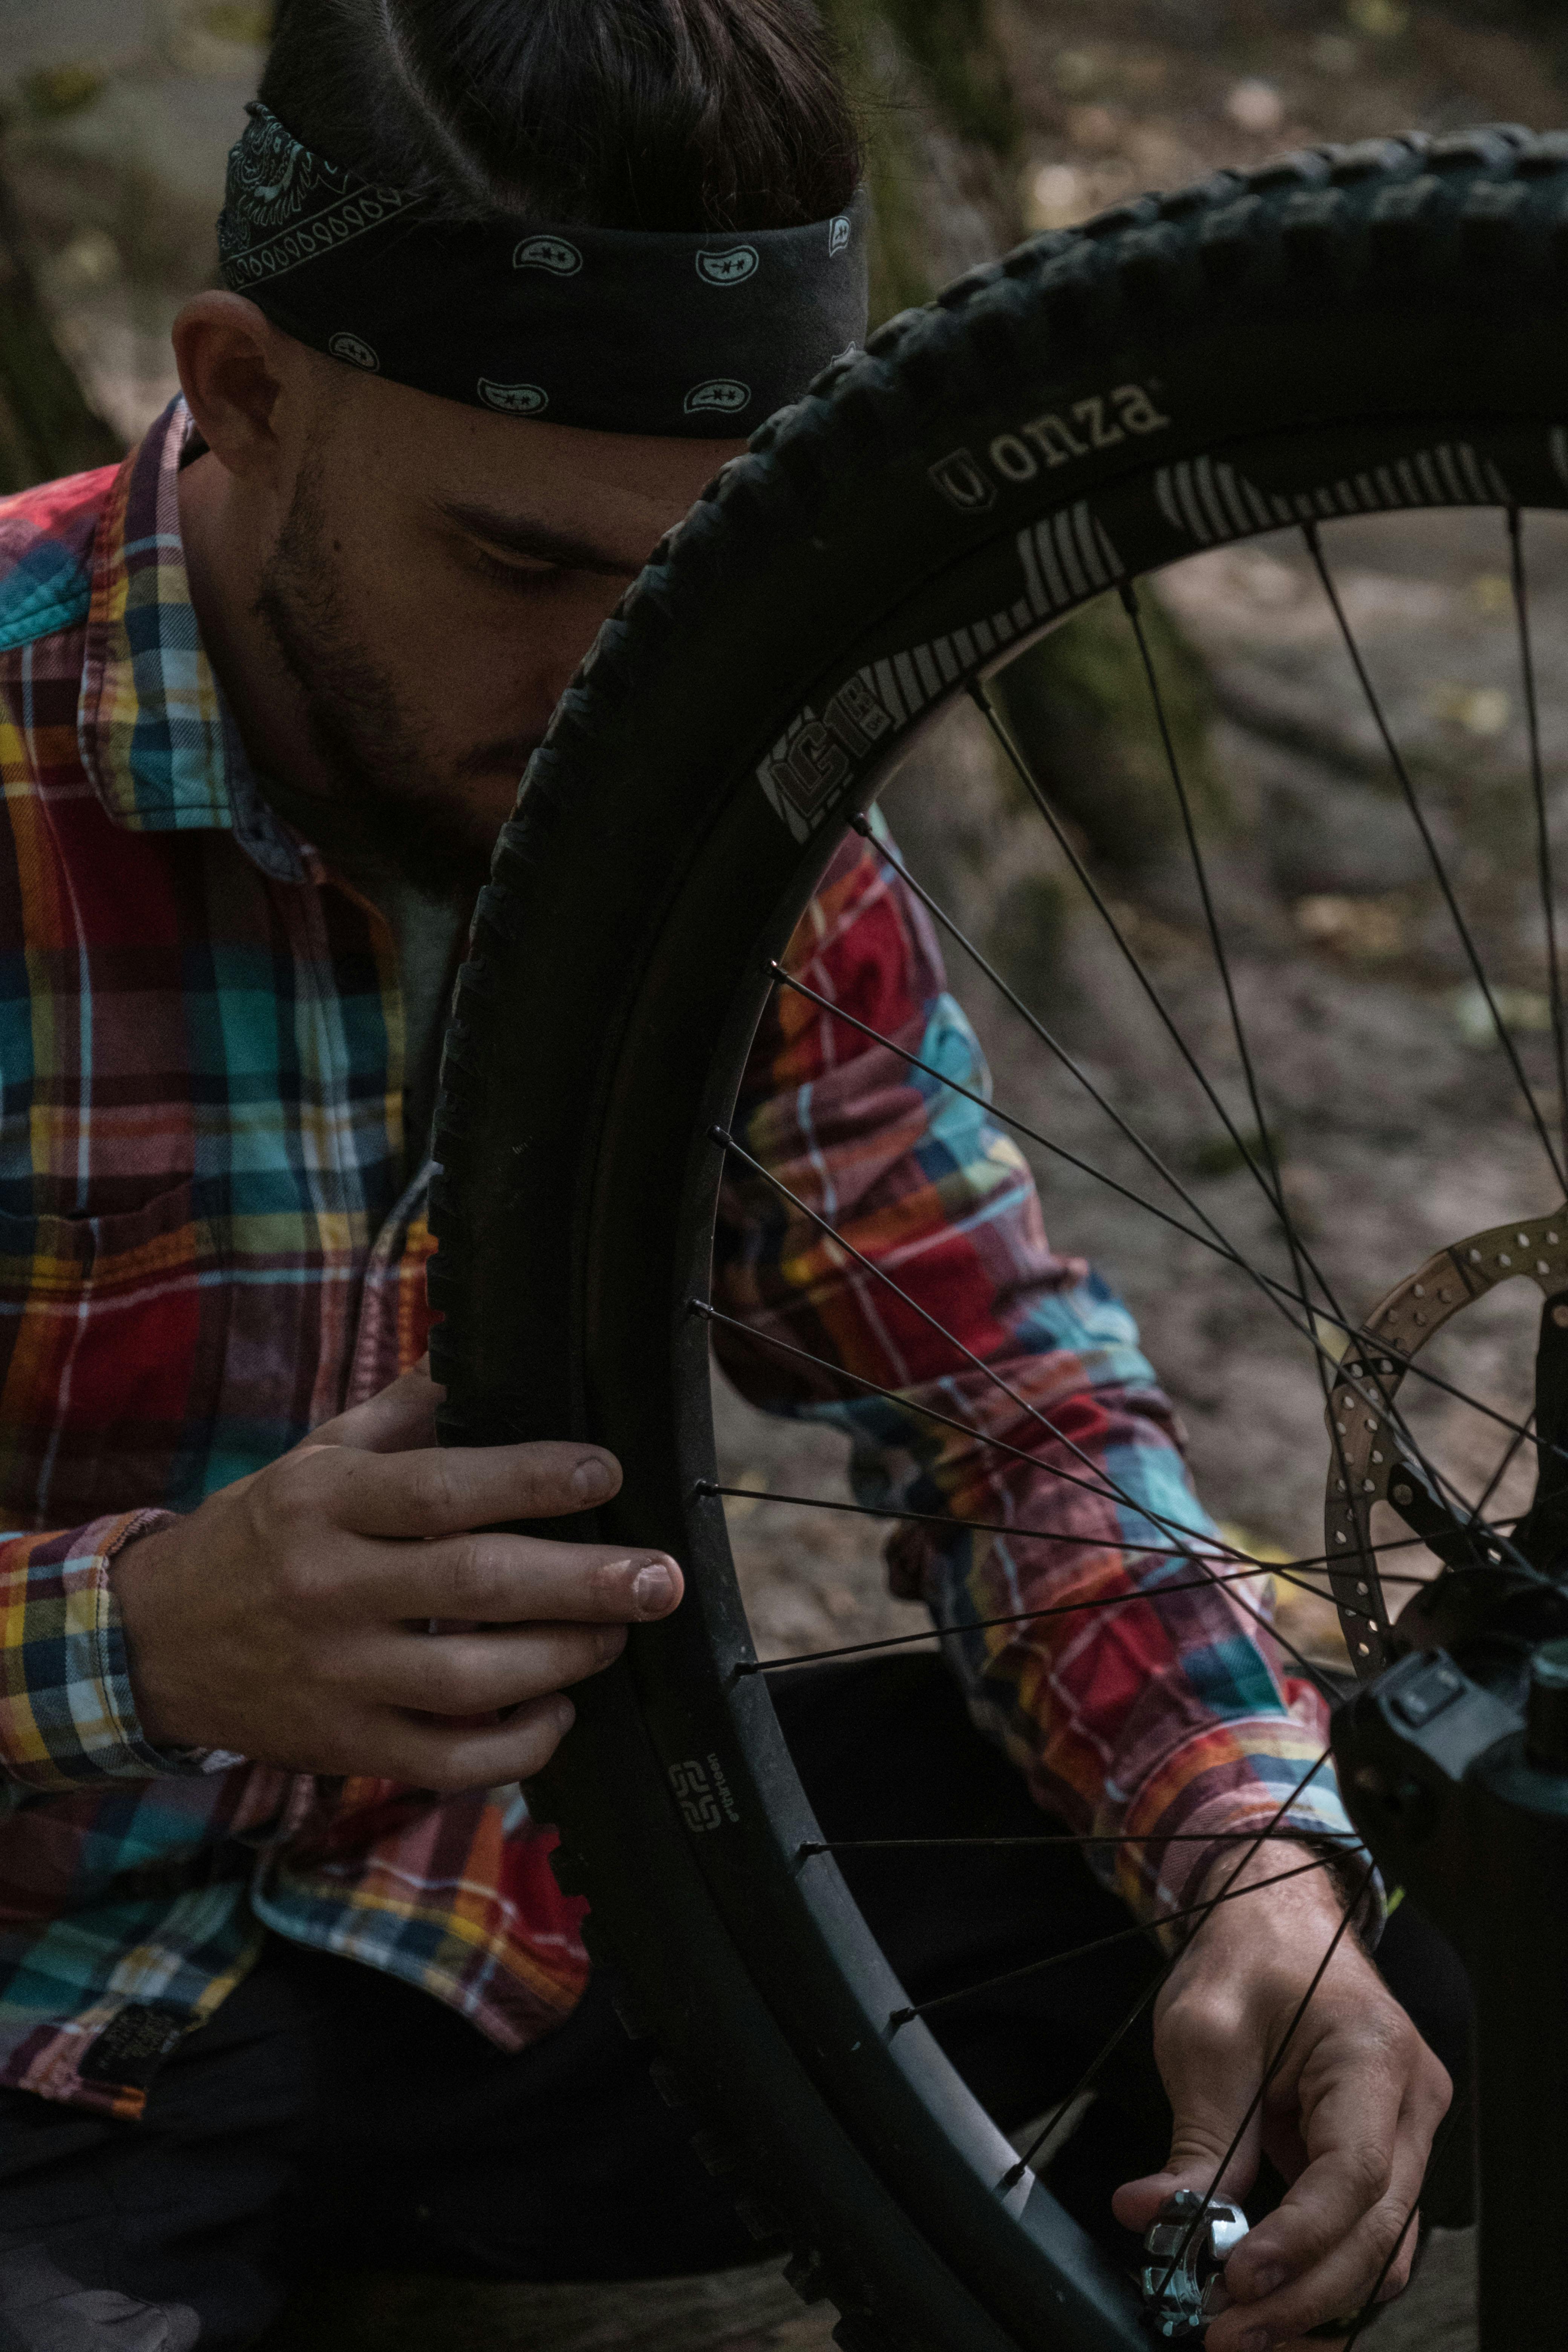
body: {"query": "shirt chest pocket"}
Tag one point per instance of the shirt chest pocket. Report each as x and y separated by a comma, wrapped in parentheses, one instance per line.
(111, 1344)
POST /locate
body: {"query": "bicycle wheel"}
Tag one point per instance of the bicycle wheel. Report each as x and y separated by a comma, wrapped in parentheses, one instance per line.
(1356, 333)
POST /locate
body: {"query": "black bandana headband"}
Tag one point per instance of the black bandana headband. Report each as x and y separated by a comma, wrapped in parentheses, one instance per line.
(619, 330)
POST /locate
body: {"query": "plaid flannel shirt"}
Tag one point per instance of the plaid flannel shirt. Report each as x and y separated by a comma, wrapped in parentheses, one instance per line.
(207, 1248)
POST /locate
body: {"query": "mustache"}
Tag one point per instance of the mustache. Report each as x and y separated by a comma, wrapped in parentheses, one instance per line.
(509, 755)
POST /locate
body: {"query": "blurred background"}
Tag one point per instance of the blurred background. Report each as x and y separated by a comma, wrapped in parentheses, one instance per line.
(992, 119)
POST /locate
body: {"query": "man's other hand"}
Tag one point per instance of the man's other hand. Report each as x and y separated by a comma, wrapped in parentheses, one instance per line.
(287, 1619)
(1348, 2119)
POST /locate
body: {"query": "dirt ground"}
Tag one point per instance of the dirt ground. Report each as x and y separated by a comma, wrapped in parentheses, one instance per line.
(743, 2311)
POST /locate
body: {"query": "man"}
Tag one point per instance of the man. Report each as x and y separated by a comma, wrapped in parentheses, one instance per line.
(264, 698)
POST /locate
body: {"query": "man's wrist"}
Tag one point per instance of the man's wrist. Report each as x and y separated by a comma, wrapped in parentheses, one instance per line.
(133, 1581)
(1300, 1875)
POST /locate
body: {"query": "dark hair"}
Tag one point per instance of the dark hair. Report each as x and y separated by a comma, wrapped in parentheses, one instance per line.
(655, 114)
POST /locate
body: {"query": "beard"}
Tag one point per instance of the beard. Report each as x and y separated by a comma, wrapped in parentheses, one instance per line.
(358, 727)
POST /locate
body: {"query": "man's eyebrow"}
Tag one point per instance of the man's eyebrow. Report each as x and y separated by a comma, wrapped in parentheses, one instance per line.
(522, 535)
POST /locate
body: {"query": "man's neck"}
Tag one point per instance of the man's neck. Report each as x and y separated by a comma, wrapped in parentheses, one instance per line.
(220, 538)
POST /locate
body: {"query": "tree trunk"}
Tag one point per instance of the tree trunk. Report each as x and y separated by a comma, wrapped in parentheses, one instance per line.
(47, 424)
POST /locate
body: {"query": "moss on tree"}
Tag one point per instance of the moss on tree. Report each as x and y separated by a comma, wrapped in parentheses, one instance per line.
(1079, 706)
(955, 47)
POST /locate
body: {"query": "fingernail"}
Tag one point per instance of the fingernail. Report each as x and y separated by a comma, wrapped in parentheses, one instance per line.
(651, 1590)
(1268, 2280)
(591, 1480)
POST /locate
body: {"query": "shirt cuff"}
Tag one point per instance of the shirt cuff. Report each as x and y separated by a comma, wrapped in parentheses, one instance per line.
(1233, 1782)
(67, 1717)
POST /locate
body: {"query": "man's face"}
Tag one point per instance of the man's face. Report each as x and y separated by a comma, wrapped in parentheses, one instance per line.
(434, 578)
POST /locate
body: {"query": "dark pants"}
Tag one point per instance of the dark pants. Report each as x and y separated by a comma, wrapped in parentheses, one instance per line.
(328, 2115)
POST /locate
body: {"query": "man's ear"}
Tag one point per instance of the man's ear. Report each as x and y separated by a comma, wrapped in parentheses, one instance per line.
(233, 364)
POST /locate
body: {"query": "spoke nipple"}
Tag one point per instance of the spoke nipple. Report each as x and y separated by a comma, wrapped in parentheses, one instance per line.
(1011, 2178)
(721, 1135)
(705, 1487)
(862, 825)
(698, 1306)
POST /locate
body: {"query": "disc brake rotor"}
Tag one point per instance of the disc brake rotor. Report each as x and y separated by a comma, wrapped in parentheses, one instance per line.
(1372, 1458)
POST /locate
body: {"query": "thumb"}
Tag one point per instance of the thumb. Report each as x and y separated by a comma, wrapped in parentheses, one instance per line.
(400, 1419)
(1210, 2089)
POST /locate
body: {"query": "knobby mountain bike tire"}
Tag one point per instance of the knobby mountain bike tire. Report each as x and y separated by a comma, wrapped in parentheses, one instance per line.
(1348, 331)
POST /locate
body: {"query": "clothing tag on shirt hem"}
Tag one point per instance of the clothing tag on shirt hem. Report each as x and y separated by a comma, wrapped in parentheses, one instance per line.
(132, 2046)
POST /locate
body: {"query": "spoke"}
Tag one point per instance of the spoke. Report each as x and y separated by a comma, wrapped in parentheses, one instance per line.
(1278, 1295)
(1269, 1183)
(1031, 785)
(1151, 1990)
(1434, 857)
(1099, 1944)
(1221, 1248)
(1052, 1045)
(1273, 1189)
(1052, 1837)
(1281, 1295)
(1265, 1624)
(1538, 788)
(1207, 1583)
(1302, 1261)
(1299, 1259)
(1009, 1118)
(1270, 2072)
(1103, 1489)
(1107, 1493)
(1505, 1463)
(881, 1273)
(1287, 1568)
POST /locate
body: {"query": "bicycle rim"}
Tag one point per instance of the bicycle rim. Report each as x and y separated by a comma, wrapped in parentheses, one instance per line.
(1347, 333)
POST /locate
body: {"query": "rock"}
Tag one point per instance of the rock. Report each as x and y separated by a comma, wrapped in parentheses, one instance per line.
(1323, 833)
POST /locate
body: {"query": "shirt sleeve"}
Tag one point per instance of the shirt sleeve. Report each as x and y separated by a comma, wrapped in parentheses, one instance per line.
(1166, 1720)
(68, 1720)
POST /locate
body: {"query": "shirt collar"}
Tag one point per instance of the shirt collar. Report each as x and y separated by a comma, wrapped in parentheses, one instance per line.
(158, 742)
